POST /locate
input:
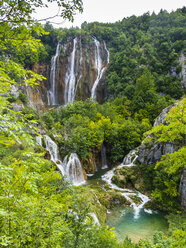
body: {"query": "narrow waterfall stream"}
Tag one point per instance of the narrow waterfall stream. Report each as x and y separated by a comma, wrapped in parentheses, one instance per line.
(103, 157)
(99, 66)
(52, 148)
(52, 92)
(70, 77)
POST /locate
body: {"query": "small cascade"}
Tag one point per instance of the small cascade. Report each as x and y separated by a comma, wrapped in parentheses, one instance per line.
(73, 169)
(129, 159)
(51, 94)
(52, 148)
(127, 193)
(70, 77)
(99, 66)
(103, 157)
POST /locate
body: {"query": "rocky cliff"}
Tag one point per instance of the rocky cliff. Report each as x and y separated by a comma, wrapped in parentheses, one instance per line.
(151, 152)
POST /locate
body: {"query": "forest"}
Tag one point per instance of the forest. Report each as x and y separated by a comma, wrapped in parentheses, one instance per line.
(143, 109)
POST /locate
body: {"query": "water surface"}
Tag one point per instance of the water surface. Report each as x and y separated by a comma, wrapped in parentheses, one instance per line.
(145, 225)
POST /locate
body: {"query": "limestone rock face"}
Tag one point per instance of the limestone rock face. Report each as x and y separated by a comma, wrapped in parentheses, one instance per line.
(182, 190)
(151, 153)
(37, 95)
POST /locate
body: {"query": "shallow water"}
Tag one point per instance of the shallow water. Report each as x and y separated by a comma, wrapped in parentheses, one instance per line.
(126, 225)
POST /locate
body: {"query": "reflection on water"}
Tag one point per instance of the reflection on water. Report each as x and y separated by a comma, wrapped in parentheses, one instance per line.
(145, 226)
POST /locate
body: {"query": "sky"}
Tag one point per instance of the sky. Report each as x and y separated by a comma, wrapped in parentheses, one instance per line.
(110, 10)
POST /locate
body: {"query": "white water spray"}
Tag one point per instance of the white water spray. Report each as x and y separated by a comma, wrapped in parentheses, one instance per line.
(51, 94)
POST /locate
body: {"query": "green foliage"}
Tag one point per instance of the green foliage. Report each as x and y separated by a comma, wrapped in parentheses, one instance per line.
(23, 97)
(85, 126)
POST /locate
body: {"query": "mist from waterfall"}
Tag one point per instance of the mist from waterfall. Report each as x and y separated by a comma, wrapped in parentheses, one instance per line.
(51, 94)
(99, 66)
(70, 77)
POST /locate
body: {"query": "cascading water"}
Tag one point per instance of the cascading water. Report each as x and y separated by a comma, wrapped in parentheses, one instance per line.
(129, 159)
(99, 66)
(70, 167)
(73, 169)
(103, 157)
(70, 77)
(51, 94)
(52, 148)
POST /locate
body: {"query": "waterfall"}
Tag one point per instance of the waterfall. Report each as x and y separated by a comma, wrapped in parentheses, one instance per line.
(103, 157)
(52, 92)
(70, 77)
(127, 192)
(129, 159)
(52, 148)
(99, 66)
(73, 169)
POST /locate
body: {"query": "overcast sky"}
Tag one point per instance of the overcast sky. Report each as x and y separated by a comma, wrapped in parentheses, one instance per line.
(113, 10)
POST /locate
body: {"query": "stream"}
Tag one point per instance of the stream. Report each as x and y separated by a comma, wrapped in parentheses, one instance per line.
(135, 221)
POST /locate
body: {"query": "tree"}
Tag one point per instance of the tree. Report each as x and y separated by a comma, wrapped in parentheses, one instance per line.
(20, 11)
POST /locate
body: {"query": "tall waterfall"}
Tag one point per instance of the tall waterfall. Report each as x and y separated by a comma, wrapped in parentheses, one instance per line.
(127, 193)
(52, 148)
(73, 169)
(103, 157)
(99, 66)
(52, 92)
(70, 77)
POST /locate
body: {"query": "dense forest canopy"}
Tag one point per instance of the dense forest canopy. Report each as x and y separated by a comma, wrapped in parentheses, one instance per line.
(38, 207)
